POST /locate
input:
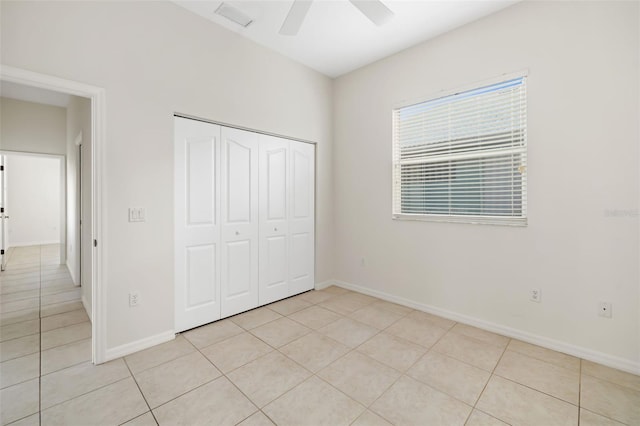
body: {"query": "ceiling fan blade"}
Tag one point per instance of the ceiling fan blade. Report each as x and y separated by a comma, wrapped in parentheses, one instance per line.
(294, 19)
(375, 10)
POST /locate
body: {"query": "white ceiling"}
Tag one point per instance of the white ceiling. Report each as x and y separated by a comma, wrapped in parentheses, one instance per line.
(337, 38)
(33, 94)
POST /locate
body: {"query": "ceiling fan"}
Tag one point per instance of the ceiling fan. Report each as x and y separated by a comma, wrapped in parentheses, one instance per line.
(375, 10)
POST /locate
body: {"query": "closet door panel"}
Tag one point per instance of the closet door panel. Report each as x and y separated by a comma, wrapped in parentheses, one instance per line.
(301, 262)
(301, 219)
(238, 182)
(274, 204)
(238, 268)
(201, 282)
(239, 276)
(197, 227)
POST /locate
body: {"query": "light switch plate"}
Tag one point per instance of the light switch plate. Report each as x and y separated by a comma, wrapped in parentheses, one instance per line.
(137, 214)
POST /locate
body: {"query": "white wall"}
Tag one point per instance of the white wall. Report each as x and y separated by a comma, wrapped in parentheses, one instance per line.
(31, 127)
(154, 59)
(79, 128)
(33, 200)
(583, 130)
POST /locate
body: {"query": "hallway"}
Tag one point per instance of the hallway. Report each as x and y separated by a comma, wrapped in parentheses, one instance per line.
(44, 329)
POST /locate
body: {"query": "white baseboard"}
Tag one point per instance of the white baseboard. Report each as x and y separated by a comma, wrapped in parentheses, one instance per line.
(138, 345)
(556, 345)
(324, 284)
(33, 243)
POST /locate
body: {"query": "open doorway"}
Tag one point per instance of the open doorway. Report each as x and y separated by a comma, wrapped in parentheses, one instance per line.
(33, 190)
(79, 249)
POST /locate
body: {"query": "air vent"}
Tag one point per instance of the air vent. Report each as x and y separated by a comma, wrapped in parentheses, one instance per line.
(233, 14)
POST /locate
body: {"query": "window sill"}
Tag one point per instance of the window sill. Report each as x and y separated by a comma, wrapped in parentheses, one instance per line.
(472, 220)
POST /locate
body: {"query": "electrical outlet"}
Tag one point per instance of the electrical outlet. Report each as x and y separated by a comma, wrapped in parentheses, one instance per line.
(535, 295)
(604, 309)
(134, 298)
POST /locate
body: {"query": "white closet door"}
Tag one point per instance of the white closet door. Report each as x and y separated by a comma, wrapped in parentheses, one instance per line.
(197, 225)
(274, 213)
(239, 221)
(301, 217)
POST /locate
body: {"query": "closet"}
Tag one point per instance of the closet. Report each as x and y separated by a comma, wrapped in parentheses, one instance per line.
(244, 220)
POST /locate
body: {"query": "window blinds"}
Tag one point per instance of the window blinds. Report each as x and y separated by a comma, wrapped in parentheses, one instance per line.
(463, 157)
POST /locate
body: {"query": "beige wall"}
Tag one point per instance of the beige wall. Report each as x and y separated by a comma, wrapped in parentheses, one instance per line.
(583, 128)
(154, 59)
(31, 127)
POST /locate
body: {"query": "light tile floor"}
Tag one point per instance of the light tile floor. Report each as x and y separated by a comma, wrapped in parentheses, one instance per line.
(44, 329)
(329, 357)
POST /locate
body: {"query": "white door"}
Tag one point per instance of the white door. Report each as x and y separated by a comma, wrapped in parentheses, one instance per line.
(4, 250)
(274, 213)
(197, 224)
(301, 217)
(239, 221)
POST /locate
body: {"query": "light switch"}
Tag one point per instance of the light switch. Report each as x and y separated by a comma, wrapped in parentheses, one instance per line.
(137, 214)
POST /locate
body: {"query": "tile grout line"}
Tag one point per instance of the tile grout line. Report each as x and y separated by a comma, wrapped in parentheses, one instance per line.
(535, 389)
(66, 367)
(351, 349)
(631, 388)
(404, 373)
(16, 323)
(141, 393)
(64, 313)
(87, 392)
(475, 404)
(69, 342)
(579, 390)
(222, 374)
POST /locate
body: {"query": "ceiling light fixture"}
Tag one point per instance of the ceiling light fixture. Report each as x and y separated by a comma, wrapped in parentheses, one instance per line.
(233, 14)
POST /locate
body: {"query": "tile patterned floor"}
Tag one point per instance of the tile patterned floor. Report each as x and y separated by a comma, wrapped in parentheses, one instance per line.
(44, 330)
(329, 357)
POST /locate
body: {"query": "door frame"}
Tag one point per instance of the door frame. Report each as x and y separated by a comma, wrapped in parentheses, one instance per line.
(79, 174)
(98, 205)
(4, 257)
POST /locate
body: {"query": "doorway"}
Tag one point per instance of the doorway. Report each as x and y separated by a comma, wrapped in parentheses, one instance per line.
(94, 165)
(33, 192)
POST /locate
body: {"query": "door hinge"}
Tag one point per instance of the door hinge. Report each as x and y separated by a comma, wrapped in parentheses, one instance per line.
(1, 252)
(1, 168)
(95, 243)
(1, 209)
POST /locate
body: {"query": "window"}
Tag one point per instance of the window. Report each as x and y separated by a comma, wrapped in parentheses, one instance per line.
(463, 157)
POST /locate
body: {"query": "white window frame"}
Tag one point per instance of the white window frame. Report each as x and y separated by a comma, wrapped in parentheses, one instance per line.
(521, 220)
